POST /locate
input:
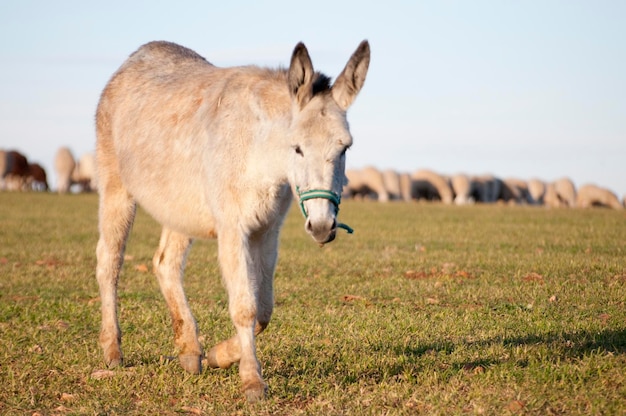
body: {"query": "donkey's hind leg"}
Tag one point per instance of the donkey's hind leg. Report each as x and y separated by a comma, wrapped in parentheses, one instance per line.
(169, 263)
(116, 215)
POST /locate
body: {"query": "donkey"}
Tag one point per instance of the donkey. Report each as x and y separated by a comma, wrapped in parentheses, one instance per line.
(214, 152)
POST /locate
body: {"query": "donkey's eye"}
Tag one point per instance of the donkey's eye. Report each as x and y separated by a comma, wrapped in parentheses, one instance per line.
(298, 150)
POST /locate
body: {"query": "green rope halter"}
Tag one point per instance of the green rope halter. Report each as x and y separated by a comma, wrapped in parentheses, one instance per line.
(321, 193)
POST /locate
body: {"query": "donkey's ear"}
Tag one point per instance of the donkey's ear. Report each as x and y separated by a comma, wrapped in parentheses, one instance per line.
(300, 76)
(351, 79)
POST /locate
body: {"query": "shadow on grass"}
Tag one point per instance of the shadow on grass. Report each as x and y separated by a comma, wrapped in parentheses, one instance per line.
(572, 344)
(442, 355)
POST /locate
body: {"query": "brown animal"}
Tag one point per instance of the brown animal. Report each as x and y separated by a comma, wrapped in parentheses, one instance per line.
(16, 171)
(218, 152)
(37, 177)
(16, 164)
(393, 184)
(366, 183)
(462, 188)
(566, 191)
(84, 173)
(485, 188)
(551, 198)
(426, 184)
(405, 186)
(514, 191)
(560, 193)
(536, 191)
(3, 162)
(64, 165)
(595, 196)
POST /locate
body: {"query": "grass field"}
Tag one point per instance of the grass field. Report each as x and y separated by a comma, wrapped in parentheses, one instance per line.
(426, 309)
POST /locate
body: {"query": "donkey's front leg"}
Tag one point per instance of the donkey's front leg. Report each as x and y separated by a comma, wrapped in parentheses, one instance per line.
(169, 263)
(242, 276)
(263, 250)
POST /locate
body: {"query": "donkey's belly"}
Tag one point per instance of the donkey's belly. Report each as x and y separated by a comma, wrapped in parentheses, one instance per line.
(174, 199)
(182, 217)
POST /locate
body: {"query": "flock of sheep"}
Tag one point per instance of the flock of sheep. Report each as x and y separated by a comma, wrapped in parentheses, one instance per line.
(464, 189)
(18, 174)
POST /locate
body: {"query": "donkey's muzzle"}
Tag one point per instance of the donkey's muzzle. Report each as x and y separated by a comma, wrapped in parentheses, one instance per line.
(322, 231)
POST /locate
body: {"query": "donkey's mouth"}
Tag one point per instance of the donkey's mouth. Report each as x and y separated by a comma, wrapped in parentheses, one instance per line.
(322, 233)
(330, 238)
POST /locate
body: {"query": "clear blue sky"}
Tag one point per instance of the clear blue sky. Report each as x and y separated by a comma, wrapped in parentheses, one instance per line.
(533, 88)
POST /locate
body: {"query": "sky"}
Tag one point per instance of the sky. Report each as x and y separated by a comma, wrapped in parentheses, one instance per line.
(525, 89)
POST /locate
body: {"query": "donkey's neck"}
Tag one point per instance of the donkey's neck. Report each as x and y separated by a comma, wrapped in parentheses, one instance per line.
(268, 155)
(264, 102)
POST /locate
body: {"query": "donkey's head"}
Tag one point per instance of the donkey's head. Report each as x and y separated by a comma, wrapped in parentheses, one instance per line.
(319, 137)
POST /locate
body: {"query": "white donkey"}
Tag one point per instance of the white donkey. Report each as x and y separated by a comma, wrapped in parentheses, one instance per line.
(218, 152)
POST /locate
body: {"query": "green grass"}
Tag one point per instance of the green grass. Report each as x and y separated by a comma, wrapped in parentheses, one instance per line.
(426, 309)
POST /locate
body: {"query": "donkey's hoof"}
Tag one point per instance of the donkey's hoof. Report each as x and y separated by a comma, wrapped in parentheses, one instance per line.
(214, 362)
(113, 363)
(191, 363)
(114, 359)
(255, 393)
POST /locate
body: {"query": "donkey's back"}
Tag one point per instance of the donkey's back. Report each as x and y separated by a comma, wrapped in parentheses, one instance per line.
(163, 57)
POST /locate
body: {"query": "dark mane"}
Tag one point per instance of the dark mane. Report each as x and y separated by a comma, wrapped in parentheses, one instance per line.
(321, 84)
